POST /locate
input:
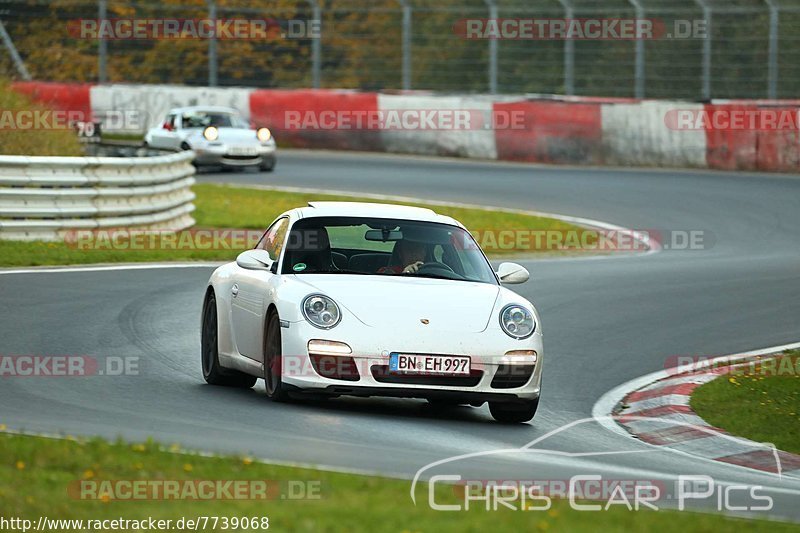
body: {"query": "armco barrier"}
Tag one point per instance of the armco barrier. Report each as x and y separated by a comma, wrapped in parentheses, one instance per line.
(41, 198)
(573, 130)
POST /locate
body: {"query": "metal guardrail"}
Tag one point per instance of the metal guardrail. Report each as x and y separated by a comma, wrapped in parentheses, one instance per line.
(42, 198)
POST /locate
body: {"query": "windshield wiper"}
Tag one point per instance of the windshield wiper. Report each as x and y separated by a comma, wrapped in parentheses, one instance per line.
(333, 272)
(437, 276)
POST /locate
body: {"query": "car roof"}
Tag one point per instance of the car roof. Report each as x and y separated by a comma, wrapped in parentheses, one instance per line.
(203, 108)
(373, 210)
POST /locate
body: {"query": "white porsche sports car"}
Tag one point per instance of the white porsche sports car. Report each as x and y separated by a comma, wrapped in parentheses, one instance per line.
(219, 136)
(373, 300)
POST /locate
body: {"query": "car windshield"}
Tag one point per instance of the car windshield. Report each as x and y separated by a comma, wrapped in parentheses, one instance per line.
(203, 119)
(384, 247)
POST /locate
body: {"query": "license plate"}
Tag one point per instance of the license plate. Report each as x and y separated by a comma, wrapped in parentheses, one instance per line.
(457, 365)
(237, 150)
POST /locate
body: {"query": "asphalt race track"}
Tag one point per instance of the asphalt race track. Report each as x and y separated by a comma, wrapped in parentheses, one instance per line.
(606, 321)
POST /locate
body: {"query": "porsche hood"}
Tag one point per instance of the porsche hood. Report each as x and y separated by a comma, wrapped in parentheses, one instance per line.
(394, 302)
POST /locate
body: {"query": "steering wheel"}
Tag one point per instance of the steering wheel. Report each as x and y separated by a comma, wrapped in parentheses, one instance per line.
(433, 265)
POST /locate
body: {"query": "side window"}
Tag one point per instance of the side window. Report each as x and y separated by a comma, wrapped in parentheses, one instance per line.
(274, 238)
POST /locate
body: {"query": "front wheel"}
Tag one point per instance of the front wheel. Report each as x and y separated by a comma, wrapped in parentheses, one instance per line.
(514, 413)
(213, 373)
(268, 165)
(273, 360)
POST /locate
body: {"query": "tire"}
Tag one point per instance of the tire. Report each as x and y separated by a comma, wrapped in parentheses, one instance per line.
(213, 373)
(268, 166)
(273, 360)
(514, 413)
(185, 146)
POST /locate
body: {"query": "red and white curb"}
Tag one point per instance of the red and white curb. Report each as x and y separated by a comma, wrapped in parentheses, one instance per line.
(655, 409)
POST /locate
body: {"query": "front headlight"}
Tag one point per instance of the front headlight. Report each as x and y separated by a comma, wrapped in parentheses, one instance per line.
(263, 134)
(517, 321)
(321, 311)
(211, 133)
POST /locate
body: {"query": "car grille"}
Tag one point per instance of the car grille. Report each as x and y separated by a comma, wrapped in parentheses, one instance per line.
(335, 367)
(382, 374)
(240, 157)
(512, 376)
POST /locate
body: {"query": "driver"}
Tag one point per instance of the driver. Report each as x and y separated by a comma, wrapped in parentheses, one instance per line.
(410, 256)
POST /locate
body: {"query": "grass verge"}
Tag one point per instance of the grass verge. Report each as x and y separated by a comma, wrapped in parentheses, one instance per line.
(41, 477)
(221, 206)
(759, 402)
(32, 140)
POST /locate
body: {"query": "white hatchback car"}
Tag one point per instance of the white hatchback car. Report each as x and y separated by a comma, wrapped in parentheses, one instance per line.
(373, 300)
(219, 136)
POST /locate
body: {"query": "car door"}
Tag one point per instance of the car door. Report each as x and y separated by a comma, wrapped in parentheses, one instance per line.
(164, 137)
(249, 292)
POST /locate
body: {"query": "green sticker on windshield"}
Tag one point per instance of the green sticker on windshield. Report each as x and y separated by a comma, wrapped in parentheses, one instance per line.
(299, 267)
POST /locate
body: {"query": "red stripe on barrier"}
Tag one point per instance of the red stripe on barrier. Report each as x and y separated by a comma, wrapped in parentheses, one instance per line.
(779, 150)
(729, 149)
(553, 132)
(60, 96)
(752, 149)
(278, 110)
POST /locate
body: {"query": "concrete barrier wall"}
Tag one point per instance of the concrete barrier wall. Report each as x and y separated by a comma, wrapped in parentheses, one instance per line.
(553, 132)
(302, 118)
(476, 140)
(637, 134)
(568, 130)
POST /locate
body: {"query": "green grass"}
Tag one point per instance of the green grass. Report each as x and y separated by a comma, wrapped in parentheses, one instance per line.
(240, 208)
(47, 142)
(38, 478)
(760, 404)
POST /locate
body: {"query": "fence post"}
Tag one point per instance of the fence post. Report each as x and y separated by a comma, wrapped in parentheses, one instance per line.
(492, 5)
(774, 21)
(406, 5)
(569, 52)
(102, 45)
(316, 50)
(213, 65)
(706, 90)
(639, 75)
(18, 62)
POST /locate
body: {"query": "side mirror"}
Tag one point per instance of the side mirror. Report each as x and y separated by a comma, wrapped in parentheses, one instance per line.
(255, 260)
(512, 273)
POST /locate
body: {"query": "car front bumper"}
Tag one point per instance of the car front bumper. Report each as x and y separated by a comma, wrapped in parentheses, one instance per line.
(235, 156)
(493, 378)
